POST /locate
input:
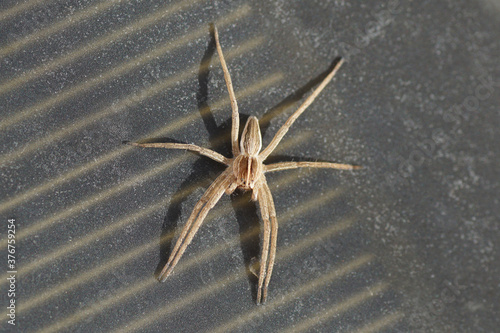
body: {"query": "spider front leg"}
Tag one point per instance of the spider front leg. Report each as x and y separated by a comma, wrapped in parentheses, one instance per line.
(200, 211)
(232, 97)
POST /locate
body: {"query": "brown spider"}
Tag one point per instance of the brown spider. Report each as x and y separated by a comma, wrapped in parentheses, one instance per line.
(245, 171)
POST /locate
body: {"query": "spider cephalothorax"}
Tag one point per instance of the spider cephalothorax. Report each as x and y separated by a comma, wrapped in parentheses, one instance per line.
(246, 171)
(247, 167)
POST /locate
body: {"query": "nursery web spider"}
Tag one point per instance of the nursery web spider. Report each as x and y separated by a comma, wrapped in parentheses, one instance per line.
(245, 170)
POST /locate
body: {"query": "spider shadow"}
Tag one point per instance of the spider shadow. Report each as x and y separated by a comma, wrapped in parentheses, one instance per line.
(219, 140)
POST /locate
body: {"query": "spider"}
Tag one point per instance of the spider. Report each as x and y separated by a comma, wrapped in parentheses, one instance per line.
(245, 170)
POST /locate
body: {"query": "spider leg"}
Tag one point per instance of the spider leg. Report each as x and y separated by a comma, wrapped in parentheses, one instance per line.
(232, 97)
(294, 165)
(282, 131)
(231, 188)
(196, 210)
(200, 211)
(264, 212)
(274, 237)
(194, 148)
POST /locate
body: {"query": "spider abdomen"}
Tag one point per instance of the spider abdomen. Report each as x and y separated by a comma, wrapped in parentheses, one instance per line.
(247, 170)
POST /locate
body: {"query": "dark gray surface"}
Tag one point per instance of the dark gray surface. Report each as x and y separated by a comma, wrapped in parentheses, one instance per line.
(416, 103)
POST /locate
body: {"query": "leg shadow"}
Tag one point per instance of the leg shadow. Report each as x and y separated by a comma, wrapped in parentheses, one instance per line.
(249, 229)
(293, 98)
(204, 170)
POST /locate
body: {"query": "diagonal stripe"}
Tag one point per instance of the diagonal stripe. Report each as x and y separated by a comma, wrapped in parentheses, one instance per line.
(92, 10)
(171, 127)
(22, 7)
(130, 101)
(141, 250)
(44, 259)
(309, 287)
(110, 74)
(68, 21)
(99, 198)
(160, 314)
(204, 291)
(354, 300)
(380, 323)
(60, 217)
